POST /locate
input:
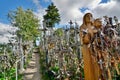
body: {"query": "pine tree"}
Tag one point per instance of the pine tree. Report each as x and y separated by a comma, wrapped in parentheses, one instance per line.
(52, 15)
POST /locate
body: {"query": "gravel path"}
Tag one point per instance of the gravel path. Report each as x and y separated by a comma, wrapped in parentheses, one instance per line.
(32, 71)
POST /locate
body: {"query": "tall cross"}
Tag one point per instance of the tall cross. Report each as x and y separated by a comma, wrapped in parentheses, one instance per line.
(70, 23)
(110, 20)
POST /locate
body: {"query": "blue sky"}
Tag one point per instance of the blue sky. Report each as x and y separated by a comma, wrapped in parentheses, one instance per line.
(69, 10)
(83, 9)
(10, 5)
(104, 1)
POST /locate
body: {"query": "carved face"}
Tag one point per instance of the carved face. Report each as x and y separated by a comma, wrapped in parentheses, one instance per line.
(98, 23)
(88, 18)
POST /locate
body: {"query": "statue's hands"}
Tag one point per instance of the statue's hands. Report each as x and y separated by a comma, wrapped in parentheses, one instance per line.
(86, 38)
(88, 34)
(92, 31)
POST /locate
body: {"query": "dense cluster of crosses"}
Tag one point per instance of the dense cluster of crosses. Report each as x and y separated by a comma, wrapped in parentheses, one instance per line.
(100, 48)
(65, 51)
(62, 51)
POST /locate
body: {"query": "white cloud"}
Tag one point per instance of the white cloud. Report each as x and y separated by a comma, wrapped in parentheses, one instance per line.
(4, 32)
(111, 9)
(70, 9)
(40, 10)
(40, 13)
(37, 3)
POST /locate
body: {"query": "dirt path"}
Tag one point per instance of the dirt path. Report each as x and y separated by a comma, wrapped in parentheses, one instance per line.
(32, 71)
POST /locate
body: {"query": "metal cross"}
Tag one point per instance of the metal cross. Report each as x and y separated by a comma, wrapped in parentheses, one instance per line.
(101, 63)
(116, 20)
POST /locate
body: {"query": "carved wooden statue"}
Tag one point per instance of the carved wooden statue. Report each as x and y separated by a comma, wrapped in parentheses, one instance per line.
(91, 68)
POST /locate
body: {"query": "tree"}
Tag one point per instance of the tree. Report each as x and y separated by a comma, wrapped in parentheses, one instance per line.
(27, 25)
(59, 32)
(52, 15)
(26, 22)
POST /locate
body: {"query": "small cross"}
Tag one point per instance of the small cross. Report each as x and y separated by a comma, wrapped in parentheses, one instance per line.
(101, 63)
(70, 22)
(116, 19)
(85, 31)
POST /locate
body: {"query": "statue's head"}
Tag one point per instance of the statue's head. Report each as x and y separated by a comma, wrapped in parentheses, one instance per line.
(98, 23)
(88, 18)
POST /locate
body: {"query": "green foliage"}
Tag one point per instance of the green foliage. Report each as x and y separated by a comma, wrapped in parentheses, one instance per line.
(59, 32)
(52, 15)
(43, 66)
(55, 69)
(26, 22)
(2, 46)
(28, 60)
(8, 74)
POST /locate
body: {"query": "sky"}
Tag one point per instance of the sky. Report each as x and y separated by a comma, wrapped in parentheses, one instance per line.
(69, 10)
